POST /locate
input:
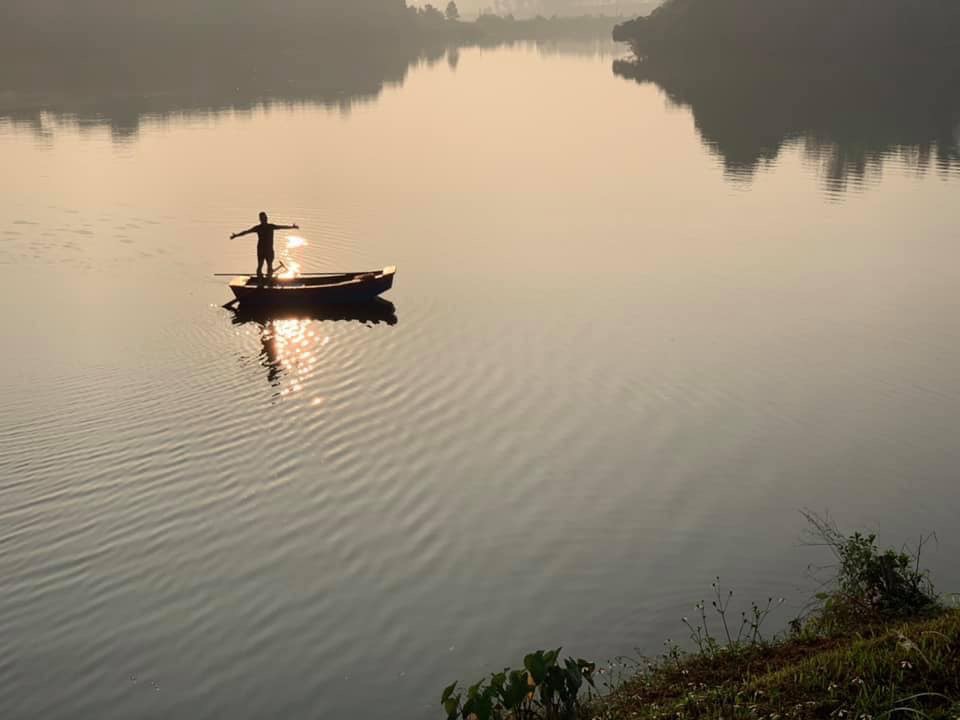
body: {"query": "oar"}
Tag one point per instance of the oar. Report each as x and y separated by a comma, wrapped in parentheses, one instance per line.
(328, 274)
(229, 305)
(279, 265)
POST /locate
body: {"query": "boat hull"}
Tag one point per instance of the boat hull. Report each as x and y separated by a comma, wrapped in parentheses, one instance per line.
(345, 289)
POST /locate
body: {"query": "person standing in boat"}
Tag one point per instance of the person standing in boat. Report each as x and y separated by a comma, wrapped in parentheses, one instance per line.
(264, 233)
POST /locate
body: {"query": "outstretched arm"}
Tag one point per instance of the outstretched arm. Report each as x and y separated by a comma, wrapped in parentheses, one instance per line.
(287, 227)
(241, 234)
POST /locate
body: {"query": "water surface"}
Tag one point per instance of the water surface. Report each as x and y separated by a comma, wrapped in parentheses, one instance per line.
(615, 369)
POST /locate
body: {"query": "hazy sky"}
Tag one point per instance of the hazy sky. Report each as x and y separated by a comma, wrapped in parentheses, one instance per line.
(68, 12)
(549, 7)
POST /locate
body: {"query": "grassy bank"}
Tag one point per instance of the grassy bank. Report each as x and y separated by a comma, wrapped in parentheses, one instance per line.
(894, 669)
(878, 643)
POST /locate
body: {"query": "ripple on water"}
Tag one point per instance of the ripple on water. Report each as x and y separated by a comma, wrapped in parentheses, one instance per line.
(206, 516)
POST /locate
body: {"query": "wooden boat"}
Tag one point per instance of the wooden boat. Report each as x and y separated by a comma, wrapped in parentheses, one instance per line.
(306, 290)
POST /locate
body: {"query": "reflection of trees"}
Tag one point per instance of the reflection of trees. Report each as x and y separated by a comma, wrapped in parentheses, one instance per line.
(207, 72)
(114, 72)
(853, 80)
(849, 118)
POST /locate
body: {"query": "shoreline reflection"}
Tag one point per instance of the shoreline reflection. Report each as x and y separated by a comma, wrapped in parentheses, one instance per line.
(848, 120)
(92, 83)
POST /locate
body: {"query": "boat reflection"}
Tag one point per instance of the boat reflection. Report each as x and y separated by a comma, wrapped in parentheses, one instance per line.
(291, 338)
(370, 313)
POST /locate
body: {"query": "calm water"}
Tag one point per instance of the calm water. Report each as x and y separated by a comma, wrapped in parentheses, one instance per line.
(621, 362)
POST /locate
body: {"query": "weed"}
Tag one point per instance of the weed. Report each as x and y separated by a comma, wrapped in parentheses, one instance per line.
(749, 629)
(869, 585)
(879, 644)
(543, 690)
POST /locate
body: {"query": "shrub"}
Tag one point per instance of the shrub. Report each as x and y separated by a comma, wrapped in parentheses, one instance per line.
(871, 584)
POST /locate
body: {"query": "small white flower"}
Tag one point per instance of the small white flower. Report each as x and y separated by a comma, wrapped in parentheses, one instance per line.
(905, 642)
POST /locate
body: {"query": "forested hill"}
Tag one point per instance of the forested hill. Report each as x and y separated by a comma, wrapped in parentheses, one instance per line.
(104, 14)
(856, 80)
(883, 31)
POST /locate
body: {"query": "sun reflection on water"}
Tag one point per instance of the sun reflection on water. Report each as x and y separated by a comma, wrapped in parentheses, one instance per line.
(299, 347)
(292, 267)
(291, 271)
(289, 352)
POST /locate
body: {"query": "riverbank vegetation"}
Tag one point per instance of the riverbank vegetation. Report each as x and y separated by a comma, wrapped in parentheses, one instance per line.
(877, 643)
(489, 28)
(812, 32)
(853, 82)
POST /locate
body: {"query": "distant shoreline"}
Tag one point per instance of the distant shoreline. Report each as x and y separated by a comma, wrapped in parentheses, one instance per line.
(117, 73)
(758, 80)
(793, 34)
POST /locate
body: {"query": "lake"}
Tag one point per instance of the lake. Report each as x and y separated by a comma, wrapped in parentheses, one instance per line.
(626, 352)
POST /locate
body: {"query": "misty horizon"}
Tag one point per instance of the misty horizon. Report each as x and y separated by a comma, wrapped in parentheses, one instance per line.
(64, 13)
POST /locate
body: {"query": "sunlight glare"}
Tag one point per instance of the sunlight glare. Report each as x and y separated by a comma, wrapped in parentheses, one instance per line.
(293, 269)
(291, 347)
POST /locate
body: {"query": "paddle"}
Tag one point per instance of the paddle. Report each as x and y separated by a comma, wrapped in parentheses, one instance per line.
(230, 305)
(329, 274)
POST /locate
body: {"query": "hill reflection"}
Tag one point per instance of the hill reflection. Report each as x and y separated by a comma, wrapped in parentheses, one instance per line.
(119, 89)
(848, 119)
(119, 81)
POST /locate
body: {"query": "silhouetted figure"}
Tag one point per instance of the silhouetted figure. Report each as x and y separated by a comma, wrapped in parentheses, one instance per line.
(264, 233)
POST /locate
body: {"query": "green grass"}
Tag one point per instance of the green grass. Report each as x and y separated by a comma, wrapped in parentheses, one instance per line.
(887, 670)
(879, 644)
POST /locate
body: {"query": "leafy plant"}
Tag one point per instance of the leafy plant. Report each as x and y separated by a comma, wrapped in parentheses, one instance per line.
(869, 583)
(544, 690)
(879, 644)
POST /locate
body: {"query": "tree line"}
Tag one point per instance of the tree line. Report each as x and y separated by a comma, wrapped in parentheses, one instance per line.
(884, 32)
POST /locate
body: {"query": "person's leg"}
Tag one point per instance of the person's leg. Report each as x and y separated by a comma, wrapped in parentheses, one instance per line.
(261, 256)
(269, 255)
